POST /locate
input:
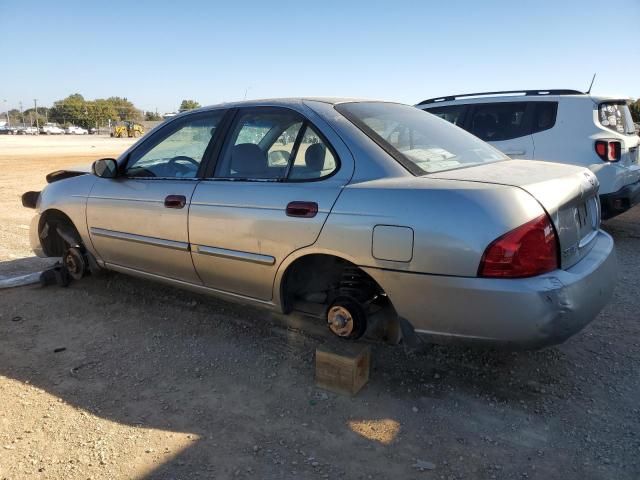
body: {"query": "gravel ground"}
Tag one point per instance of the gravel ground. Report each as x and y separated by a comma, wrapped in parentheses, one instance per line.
(116, 377)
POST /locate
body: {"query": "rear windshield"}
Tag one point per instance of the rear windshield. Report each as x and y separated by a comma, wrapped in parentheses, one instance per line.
(616, 116)
(420, 141)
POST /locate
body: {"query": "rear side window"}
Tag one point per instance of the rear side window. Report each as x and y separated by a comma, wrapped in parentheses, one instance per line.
(313, 159)
(616, 116)
(278, 144)
(452, 113)
(545, 116)
(493, 122)
(260, 145)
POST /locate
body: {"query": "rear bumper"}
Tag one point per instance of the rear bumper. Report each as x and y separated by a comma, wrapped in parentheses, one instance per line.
(619, 202)
(518, 313)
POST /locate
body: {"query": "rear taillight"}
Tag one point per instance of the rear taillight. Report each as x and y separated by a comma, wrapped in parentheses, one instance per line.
(608, 150)
(531, 249)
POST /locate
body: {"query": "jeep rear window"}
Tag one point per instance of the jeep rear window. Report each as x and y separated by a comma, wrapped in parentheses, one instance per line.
(616, 116)
(421, 142)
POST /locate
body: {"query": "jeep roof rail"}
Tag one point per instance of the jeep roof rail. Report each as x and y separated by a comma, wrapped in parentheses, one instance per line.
(557, 91)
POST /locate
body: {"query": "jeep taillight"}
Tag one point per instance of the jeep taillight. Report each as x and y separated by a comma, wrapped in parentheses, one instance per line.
(608, 150)
(529, 250)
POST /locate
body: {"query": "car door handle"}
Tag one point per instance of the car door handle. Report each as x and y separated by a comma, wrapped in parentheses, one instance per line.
(515, 152)
(175, 201)
(302, 209)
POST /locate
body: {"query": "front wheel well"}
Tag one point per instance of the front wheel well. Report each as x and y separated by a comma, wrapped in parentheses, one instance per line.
(56, 232)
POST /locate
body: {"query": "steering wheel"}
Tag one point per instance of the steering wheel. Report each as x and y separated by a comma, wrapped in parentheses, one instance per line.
(184, 158)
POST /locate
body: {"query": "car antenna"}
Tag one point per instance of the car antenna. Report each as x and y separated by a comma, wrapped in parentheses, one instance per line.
(591, 84)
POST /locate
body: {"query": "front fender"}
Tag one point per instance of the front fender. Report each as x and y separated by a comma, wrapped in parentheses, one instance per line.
(68, 196)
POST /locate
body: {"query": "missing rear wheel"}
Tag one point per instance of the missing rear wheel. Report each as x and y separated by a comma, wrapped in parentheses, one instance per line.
(346, 318)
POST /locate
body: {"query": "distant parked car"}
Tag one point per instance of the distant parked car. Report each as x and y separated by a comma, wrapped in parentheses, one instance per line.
(8, 130)
(380, 214)
(565, 126)
(27, 131)
(51, 129)
(73, 130)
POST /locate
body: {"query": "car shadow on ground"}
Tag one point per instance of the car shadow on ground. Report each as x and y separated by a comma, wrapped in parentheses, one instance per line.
(235, 378)
(239, 381)
(23, 266)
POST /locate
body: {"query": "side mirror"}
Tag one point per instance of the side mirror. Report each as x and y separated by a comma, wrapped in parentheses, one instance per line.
(105, 168)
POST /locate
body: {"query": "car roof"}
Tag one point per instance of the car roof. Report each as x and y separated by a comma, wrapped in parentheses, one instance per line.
(286, 101)
(515, 95)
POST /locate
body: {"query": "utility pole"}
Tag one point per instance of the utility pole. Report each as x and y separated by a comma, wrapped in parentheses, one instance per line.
(22, 114)
(6, 110)
(35, 104)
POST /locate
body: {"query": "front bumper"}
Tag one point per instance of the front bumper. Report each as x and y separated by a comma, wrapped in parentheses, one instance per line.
(619, 202)
(513, 313)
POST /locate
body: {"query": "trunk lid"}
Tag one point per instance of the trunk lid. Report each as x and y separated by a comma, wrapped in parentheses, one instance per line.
(569, 194)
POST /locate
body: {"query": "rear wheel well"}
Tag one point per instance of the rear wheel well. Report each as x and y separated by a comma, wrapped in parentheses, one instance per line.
(317, 284)
(52, 222)
(318, 279)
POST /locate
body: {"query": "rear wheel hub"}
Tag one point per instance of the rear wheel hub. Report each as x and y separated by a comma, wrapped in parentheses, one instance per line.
(340, 321)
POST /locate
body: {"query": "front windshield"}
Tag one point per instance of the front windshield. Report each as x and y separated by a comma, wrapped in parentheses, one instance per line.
(420, 141)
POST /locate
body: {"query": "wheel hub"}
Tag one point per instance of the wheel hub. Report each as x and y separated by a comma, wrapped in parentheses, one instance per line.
(74, 263)
(340, 321)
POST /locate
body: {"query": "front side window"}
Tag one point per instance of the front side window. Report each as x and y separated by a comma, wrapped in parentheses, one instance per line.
(178, 153)
(419, 141)
(274, 144)
(494, 122)
(616, 116)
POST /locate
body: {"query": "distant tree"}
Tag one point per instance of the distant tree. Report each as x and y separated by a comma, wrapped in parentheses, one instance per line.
(30, 115)
(126, 110)
(100, 111)
(188, 105)
(635, 111)
(71, 110)
(152, 116)
(14, 116)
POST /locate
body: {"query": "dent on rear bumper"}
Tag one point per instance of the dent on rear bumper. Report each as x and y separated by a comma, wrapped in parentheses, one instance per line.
(519, 313)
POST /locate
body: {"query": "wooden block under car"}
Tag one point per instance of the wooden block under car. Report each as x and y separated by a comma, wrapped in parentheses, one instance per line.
(343, 368)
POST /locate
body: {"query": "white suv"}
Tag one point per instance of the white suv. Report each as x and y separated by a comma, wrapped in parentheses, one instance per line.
(51, 129)
(564, 126)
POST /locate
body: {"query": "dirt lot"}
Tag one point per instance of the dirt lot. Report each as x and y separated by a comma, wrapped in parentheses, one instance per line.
(116, 377)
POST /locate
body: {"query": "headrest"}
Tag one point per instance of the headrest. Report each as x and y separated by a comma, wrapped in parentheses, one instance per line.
(248, 159)
(314, 157)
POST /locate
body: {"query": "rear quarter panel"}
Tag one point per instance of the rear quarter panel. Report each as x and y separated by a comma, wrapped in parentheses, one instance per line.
(452, 222)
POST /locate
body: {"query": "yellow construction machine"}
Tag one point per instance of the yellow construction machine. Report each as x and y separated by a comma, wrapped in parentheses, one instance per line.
(127, 129)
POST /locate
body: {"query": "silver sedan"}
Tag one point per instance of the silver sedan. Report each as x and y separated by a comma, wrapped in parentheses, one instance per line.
(371, 216)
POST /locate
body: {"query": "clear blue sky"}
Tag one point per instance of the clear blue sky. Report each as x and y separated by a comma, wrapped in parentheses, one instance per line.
(158, 53)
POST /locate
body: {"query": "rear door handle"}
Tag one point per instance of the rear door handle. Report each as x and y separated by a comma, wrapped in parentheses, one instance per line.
(175, 201)
(515, 152)
(302, 209)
